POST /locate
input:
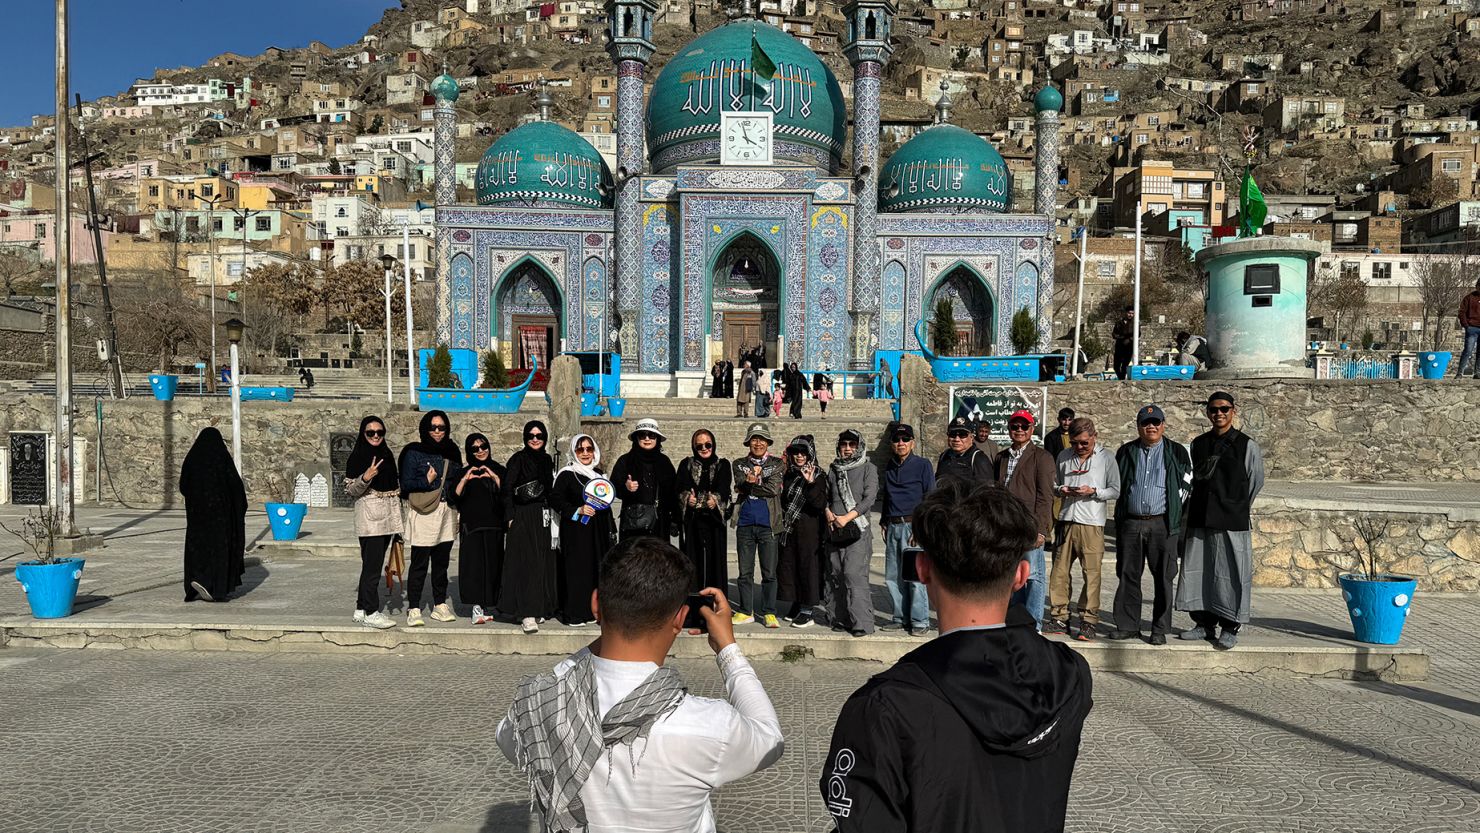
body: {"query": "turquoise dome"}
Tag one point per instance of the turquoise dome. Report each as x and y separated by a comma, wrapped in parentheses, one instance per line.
(444, 87)
(542, 163)
(1048, 98)
(945, 168)
(712, 74)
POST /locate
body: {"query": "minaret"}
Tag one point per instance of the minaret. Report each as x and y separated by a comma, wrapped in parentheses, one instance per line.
(1047, 102)
(444, 179)
(630, 45)
(867, 49)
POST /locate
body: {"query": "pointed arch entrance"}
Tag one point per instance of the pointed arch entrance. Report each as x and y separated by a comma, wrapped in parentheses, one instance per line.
(973, 309)
(745, 292)
(527, 316)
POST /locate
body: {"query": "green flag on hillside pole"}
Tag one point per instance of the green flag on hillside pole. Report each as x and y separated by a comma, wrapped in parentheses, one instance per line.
(760, 64)
(1251, 206)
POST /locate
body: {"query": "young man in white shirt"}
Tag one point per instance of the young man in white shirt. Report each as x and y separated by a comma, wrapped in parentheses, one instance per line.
(611, 740)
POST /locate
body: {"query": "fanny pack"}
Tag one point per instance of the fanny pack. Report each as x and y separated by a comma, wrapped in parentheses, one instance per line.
(425, 503)
(529, 492)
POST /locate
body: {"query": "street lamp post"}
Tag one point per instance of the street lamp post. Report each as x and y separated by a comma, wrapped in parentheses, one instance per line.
(211, 243)
(411, 373)
(234, 328)
(241, 292)
(389, 262)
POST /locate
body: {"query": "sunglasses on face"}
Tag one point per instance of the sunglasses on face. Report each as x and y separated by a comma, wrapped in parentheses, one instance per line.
(1219, 409)
(641, 437)
(1081, 443)
(1154, 423)
(436, 426)
(901, 440)
(375, 432)
(585, 449)
(959, 435)
(1018, 426)
(703, 446)
(479, 447)
(535, 438)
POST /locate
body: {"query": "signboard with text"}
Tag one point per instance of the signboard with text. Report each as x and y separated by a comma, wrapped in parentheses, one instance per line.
(995, 403)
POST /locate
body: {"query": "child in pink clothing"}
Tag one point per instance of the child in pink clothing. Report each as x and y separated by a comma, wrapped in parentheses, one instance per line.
(778, 398)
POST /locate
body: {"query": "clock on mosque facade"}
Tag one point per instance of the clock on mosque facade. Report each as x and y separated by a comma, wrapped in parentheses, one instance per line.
(745, 138)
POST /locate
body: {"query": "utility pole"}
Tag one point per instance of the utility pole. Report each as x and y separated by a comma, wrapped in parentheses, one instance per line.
(115, 362)
(63, 473)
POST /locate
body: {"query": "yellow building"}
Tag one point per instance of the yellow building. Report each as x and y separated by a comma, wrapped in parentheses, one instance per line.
(164, 193)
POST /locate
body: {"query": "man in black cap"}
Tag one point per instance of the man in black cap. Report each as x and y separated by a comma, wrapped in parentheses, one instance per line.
(1155, 482)
(1218, 564)
(1056, 441)
(962, 459)
(908, 478)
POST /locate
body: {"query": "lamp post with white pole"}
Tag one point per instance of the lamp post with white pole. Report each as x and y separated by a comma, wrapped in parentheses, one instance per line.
(234, 327)
(1136, 302)
(1079, 303)
(411, 374)
(211, 243)
(389, 262)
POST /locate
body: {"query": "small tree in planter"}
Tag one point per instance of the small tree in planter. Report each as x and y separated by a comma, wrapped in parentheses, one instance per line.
(50, 583)
(495, 374)
(1024, 332)
(943, 328)
(439, 370)
(1377, 601)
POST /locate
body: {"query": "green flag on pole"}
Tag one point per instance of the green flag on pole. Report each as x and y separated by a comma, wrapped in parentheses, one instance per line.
(760, 64)
(1251, 206)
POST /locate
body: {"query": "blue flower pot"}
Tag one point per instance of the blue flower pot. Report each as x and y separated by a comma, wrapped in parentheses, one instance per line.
(616, 406)
(50, 588)
(1378, 607)
(1433, 365)
(286, 520)
(588, 404)
(163, 385)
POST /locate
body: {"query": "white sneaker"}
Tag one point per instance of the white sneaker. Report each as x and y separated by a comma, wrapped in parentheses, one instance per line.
(479, 617)
(413, 618)
(443, 613)
(359, 617)
(379, 621)
(529, 625)
(477, 611)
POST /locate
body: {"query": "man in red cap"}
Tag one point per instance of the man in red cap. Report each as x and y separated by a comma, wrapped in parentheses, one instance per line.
(1027, 472)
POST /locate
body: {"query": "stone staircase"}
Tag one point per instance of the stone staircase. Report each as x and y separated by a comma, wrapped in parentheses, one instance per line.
(679, 418)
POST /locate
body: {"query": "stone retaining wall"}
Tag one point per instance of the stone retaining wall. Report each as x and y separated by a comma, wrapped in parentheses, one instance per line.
(1308, 547)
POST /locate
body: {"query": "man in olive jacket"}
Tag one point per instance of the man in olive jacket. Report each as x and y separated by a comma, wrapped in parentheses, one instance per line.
(1028, 473)
(1155, 481)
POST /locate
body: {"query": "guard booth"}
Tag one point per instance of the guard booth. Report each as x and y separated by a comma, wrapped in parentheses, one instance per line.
(601, 373)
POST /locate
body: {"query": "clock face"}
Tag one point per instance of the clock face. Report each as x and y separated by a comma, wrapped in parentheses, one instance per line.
(745, 139)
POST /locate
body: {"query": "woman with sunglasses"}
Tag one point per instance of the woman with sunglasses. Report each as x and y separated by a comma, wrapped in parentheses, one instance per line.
(853, 485)
(803, 502)
(480, 507)
(704, 495)
(426, 467)
(371, 481)
(586, 532)
(646, 483)
(528, 592)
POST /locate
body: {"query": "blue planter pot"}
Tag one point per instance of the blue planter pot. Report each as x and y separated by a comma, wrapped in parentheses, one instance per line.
(1379, 607)
(588, 404)
(616, 406)
(1433, 365)
(50, 588)
(286, 520)
(163, 385)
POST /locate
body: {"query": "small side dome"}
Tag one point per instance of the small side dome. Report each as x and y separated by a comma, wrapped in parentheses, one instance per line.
(945, 168)
(444, 87)
(1047, 99)
(543, 163)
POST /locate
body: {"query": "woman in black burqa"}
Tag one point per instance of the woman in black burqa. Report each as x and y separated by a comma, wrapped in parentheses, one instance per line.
(583, 545)
(704, 494)
(428, 465)
(528, 592)
(215, 519)
(479, 499)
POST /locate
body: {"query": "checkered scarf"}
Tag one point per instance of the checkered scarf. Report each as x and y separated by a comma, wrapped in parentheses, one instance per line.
(559, 732)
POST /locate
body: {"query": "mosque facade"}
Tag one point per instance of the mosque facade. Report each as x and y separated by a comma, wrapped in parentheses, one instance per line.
(731, 221)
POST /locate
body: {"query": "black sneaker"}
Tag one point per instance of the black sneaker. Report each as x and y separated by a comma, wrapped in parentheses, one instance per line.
(1051, 625)
(1119, 635)
(802, 620)
(892, 626)
(1158, 639)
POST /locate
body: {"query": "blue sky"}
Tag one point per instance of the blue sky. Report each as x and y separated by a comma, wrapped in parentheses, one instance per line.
(114, 42)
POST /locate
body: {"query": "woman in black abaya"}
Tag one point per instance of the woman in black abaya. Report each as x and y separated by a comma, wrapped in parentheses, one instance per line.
(644, 479)
(528, 592)
(582, 545)
(479, 499)
(215, 519)
(704, 493)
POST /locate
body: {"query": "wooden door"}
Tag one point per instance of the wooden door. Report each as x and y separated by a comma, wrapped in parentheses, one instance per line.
(742, 332)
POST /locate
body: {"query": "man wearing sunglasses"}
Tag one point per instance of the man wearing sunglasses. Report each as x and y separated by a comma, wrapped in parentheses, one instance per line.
(908, 478)
(1218, 564)
(1027, 472)
(1155, 482)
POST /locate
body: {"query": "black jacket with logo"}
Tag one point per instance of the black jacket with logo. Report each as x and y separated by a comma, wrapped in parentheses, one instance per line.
(974, 731)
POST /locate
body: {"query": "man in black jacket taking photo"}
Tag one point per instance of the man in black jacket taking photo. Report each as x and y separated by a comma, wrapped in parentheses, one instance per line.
(977, 730)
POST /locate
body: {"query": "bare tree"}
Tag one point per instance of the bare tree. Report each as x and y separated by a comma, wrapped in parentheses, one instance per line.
(160, 317)
(18, 272)
(1341, 296)
(1442, 281)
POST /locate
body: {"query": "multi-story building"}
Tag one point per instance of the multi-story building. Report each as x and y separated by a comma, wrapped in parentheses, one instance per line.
(1449, 228)
(165, 94)
(1305, 114)
(405, 88)
(1155, 187)
(164, 193)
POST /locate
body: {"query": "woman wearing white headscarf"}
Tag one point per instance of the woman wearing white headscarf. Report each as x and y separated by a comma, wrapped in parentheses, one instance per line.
(582, 544)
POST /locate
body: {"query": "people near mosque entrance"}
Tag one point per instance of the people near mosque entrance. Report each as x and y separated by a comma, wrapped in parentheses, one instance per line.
(886, 381)
(803, 504)
(727, 378)
(716, 377)
(703, 487)
(1027, 472)
(426, 467)
(1087, 480)
(528, 592)
(215, 519)
(962, 459)
(1155, 482)
(763, 389)
(305, 376)
(979, 728)
(745, 390)
(796, 390)
(1193, 350)
(1124, 334)
(644, 480)
(1218, 558)
(611, 739)
(780, 395)
(1056, 442)
(1469, 324)
(853, 484)
(757, 517)
(586, 532)
(479, 499)
(908, 477)
(982, 429)
(371, 481)
(822, 388)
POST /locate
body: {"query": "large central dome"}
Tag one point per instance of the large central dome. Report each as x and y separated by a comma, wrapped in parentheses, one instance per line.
(712, 75)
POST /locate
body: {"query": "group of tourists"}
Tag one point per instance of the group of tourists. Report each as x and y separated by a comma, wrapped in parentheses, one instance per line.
(760, 393)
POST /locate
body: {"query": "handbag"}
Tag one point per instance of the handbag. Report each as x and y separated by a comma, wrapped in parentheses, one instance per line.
(842, 536)
(529, 492)
(639, 517)
(395, 563)
(425, 503)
